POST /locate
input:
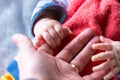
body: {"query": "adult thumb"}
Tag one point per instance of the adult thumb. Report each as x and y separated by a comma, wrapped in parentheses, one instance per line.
(23, 42)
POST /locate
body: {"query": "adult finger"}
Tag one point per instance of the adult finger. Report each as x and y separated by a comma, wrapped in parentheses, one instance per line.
(38, 40)
(71, 50)
(45, 48)
(23, 43)
(84, 56)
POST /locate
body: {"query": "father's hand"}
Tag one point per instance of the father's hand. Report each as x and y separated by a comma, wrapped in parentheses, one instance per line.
(31, 62)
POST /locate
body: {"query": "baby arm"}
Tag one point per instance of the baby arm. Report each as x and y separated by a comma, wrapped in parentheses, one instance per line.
(46, 22)
(111, 55)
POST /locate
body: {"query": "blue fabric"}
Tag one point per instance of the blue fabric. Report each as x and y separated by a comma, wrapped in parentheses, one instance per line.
(13, 69)
(118, 76)
(46, 6)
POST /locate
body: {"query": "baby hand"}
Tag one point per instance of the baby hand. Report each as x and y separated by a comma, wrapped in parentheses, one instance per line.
(111, 55)
(49, 31)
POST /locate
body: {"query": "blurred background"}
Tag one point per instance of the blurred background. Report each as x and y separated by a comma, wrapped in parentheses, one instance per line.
(14, 18)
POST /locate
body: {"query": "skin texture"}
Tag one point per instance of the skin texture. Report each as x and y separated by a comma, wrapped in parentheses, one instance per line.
(111, 54)
(40, 64)
(51, 31)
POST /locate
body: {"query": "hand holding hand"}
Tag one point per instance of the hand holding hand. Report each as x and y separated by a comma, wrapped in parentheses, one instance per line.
(51, 31)
(43, 66)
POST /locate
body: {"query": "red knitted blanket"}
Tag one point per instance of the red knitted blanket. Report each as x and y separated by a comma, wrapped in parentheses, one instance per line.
(101, 15)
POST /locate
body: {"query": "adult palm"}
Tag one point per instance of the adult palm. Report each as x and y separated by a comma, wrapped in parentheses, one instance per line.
(41, 65)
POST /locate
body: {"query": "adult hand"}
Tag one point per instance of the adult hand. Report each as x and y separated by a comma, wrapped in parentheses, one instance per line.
(42, 65)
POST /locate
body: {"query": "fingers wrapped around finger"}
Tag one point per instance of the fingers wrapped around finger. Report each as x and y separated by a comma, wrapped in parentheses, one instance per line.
(45, 48)
(62, 31)
(58, 29)
(49, 40)
(55, 36)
